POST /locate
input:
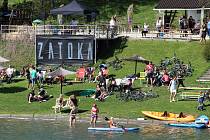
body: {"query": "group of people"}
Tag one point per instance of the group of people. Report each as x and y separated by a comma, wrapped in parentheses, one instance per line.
(94, 113)
(42, 96)
(7, 74)
(154, 77)
(85, 73)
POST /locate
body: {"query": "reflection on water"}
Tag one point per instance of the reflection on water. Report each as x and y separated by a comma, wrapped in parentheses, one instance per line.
(60, 130)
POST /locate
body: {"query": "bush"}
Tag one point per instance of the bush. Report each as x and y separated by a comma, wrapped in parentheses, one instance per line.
(206, 52)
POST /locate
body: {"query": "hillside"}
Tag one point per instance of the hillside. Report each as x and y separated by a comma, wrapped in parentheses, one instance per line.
(151, 50)
(143, 10)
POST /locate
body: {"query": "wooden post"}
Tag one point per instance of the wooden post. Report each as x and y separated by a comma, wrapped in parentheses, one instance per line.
(202, 15)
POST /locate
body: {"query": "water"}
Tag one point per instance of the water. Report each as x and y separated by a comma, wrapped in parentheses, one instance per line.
(11, 129)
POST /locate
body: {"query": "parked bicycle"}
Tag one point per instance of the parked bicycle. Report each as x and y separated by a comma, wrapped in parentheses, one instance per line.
(136, 95)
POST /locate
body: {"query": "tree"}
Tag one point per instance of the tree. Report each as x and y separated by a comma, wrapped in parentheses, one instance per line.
(5, 6)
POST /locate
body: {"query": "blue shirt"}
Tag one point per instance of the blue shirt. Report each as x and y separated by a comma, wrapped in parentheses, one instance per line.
(208, 25)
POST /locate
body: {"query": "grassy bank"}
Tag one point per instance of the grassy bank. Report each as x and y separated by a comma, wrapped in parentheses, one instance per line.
(13, 96)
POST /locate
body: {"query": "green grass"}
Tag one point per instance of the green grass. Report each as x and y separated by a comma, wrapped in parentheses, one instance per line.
(13, 96)
(19, 54)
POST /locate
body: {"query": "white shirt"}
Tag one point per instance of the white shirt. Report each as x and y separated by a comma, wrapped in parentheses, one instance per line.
(146, 27)
(111, 23)
(9, 71)
(158, 23)
(74, 22)
(173, 85)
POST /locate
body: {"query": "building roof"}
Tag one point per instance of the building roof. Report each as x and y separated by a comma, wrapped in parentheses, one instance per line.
(182, 4)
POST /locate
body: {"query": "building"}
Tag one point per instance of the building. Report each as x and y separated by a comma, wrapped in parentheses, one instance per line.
(198, 9)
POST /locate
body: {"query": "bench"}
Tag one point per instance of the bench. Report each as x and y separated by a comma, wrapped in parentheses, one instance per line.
(189, 95)
(58, 107)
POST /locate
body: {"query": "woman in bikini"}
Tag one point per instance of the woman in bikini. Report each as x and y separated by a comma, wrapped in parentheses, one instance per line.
(94, 114)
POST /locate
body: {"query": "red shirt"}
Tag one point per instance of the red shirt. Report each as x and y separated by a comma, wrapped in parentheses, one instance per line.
(165, 77)
(149, 68)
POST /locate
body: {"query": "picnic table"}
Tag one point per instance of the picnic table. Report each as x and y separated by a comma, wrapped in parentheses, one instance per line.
(195, 88)
(192, 92)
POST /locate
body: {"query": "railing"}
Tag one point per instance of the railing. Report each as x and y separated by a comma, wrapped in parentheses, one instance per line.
(16, 32)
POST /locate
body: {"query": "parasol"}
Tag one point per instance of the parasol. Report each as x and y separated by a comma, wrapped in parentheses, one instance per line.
(3, 59)
(1, 67)
(60, 72)
(136, 58)
(37, 21)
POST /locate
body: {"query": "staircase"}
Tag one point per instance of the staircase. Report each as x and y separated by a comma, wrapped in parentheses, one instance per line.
(205, 77)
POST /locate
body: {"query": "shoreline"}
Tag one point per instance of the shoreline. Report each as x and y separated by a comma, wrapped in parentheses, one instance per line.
(62, 117)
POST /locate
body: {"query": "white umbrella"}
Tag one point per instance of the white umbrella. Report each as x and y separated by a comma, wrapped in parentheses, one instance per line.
(60, 72)
(3, 59)
(1, 67)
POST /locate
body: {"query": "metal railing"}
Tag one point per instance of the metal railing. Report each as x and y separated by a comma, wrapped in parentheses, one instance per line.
(24, 32)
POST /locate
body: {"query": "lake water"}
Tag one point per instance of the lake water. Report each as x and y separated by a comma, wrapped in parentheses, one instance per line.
(12, 129)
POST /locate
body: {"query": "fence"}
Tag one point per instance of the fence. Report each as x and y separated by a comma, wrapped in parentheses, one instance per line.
(27, 34)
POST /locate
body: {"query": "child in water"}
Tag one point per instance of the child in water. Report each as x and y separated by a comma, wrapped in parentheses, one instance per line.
(94, 114)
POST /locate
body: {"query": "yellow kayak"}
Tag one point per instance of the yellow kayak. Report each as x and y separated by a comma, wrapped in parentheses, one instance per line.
(164, 116)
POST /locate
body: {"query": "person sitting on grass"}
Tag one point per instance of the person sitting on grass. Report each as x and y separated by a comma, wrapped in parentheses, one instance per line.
(112, 85)
(128, 86)
(98, 92)
(32, 97)
(42, 95)
(103, 95)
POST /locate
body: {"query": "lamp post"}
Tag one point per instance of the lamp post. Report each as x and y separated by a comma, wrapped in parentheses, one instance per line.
(43, 15)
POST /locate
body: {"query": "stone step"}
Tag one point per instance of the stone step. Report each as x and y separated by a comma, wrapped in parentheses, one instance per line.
(206, 73)
(205, 76)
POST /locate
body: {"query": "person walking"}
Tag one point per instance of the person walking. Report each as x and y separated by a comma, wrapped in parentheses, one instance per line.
(203, 33)
(158, 26)
(173, 88)
(33, 75)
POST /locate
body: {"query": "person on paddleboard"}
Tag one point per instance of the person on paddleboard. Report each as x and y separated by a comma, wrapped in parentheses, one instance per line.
(111, 122)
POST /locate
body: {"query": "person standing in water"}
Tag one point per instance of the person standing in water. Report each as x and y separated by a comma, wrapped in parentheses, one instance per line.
(94, 114)
(73, 106)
